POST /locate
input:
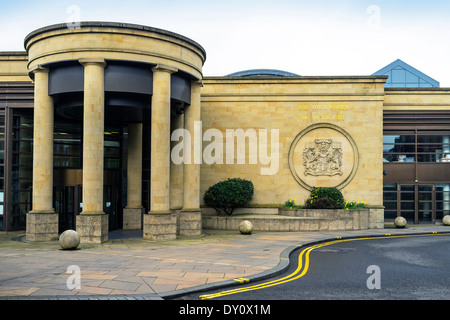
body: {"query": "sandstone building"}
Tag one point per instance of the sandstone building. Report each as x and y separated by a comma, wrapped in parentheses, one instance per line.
(89, 117)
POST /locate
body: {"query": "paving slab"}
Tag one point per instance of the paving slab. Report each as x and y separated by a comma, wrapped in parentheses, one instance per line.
(128, 267)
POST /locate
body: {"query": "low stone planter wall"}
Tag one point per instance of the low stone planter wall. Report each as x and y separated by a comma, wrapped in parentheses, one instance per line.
(301, 220)
(337, 219)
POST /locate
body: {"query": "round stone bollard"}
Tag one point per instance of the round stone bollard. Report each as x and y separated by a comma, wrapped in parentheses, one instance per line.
(446, 220)
(400, 222)
(246, 227)
(69, 240)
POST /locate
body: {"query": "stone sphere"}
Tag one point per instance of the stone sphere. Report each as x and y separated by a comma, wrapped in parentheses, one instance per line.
(446, 220)
(69, 240)
(400, 222)
(246, 227)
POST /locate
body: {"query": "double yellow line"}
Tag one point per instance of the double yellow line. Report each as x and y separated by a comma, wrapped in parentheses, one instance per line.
(302, 268)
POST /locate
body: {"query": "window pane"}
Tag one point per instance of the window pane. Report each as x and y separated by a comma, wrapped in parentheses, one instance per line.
(433, 138)
(407, 205)
(398, 138)
(407, 196)
(442, 186)
(408, 215)
(410, 78)
(390, 206)
(390, 214)
(390, 196)
(398, 76)
(425, 196)
(443, 206)
(391, 186)
(398, 157)
(439, 148)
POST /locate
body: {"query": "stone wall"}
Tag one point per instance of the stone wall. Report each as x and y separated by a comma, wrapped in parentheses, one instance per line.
(291, 105)
(301, 220)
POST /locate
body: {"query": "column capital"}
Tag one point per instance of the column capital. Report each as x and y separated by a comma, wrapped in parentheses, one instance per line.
(39, 68)
(164, 68)
(96, 61)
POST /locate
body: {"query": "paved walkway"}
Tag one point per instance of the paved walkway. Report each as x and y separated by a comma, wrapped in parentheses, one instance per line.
(128, 267)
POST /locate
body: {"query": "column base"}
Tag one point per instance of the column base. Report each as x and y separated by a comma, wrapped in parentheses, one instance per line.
(132, 218)
(190, 222)
(42, 226)
(160, 226)
(92, 228)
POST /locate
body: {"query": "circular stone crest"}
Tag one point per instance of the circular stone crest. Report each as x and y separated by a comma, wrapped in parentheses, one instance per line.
(323, 155)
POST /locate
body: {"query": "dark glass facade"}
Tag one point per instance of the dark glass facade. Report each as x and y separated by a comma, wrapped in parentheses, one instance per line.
(416, 146)
(416, 159)
(16, 169)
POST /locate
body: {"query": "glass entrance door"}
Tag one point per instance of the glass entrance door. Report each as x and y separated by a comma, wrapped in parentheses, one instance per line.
(426, 204)
(110, 206)
(67, 203)
(416, 203)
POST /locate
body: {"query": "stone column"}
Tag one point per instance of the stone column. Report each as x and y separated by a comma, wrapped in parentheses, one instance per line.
(42, 221)
(176, 170)
(132, 214)
(160, 223)
(92, 223)
(191, 215)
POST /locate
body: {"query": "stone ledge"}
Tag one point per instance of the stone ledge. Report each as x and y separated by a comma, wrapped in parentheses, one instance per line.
(301, 220)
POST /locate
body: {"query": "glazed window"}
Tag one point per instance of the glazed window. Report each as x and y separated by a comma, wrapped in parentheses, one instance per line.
(22, 166)
(67, 146)
(399, 147)
(433, 146)
(423, 146)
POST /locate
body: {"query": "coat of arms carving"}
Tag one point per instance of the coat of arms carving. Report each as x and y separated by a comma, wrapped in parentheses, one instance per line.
(323, 157)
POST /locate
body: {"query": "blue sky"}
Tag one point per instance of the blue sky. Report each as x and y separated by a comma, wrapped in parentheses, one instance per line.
(321, 37)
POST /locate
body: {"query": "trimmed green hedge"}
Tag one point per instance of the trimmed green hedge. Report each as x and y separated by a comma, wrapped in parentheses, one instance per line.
(228, 195)
(325, 198)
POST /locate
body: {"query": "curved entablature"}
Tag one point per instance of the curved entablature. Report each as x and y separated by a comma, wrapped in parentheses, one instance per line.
(129, 53)
(263, 73)
(114, 41)
(128, 89)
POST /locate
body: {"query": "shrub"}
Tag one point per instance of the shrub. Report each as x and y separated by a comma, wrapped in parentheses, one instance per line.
(322, 203)
(334, 196)
(228, 195)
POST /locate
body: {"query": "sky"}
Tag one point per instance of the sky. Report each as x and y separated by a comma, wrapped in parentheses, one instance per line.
(309, 38)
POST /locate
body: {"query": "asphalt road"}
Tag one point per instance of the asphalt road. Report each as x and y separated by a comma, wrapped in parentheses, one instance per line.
(394, 268)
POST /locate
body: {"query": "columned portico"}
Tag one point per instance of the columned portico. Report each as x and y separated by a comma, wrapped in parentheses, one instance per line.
(92, 223)
(42, 221)
(117, 76)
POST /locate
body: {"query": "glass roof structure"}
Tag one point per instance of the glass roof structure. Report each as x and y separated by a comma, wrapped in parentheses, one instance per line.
(263, 73)
(402, 75)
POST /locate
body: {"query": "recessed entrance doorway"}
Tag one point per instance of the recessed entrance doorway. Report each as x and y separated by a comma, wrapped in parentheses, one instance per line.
(68, 202)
